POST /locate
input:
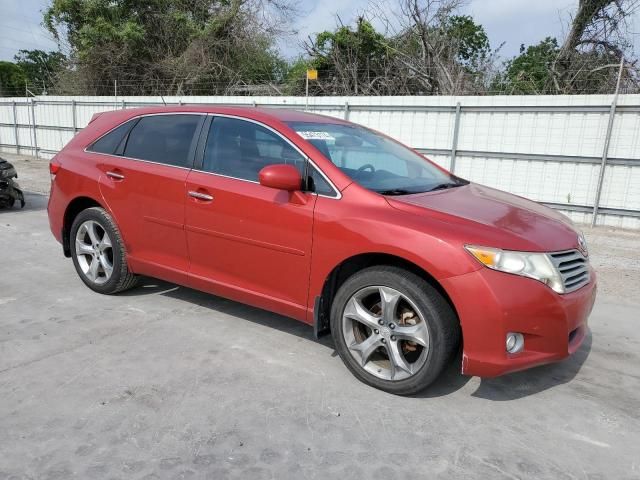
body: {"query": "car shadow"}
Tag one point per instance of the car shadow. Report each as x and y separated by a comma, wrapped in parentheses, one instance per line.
(512, 386)
(152, 286)
(508, 387)
(535, 380)
(32, 202)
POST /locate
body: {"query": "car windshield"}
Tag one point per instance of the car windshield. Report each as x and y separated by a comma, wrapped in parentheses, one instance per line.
(374, 161)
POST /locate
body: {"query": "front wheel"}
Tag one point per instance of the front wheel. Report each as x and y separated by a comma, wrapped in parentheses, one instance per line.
(98, 252)
(393, 330)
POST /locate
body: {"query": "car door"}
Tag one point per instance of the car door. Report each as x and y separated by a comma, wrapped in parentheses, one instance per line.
(247, 241)
(143, 186)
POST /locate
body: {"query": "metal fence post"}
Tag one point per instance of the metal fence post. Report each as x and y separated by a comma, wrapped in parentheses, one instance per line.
(346, 110)
(454, 143)
(33, 118)
(74, 117)
(124, 104)
(15, 126)
(605, 150)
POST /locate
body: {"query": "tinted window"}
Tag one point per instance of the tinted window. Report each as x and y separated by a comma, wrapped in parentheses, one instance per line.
(163, 139)
(240, 149)
(111, 140)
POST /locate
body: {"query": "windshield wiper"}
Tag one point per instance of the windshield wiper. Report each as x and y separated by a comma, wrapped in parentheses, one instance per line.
(395, 191)
(445, 186)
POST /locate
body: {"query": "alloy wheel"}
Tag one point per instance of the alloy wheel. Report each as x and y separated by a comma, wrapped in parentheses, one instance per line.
(94, 252)
(385, 332)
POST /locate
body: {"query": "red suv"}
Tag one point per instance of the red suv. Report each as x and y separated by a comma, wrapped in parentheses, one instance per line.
(330, 223)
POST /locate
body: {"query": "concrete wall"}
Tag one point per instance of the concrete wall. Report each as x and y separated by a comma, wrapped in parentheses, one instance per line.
(547, 148)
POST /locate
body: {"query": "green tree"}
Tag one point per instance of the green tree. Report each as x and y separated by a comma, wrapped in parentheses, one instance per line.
(350, 60)
(166, 46)
(529, 73)
(532, 72)
(39, 67)
(469, 41)
(12, 80)
(448, 54)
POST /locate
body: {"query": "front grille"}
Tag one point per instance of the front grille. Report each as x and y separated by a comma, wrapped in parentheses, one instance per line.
(573, 268)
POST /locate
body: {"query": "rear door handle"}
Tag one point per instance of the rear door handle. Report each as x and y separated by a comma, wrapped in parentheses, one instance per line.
(115, 175)
(200, 196)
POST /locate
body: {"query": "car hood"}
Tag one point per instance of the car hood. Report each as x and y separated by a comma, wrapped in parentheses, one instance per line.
(509, 221)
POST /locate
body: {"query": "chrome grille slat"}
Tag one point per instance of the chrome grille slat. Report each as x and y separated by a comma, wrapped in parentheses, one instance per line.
(575, 283)
(573, 267)
(575, 277)
(569, 263)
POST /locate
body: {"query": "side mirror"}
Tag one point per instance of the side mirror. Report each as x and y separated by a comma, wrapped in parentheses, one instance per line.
(281, 176)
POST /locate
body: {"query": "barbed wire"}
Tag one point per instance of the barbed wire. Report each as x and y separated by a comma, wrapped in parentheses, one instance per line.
(330, 82)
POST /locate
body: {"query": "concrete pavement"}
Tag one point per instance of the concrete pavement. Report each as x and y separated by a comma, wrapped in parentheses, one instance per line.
(167, 382)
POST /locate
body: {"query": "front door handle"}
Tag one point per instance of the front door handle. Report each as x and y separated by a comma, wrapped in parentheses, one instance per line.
(200, 196)
(115, 175)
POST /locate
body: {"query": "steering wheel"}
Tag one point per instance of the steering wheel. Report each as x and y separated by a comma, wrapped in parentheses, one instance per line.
(367, 166)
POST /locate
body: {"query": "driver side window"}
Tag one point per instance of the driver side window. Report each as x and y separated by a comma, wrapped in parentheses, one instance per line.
(240, 149)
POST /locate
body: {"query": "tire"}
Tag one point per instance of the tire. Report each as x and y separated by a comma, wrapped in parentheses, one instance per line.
(95, 237)
(418, 326)
(7, 202)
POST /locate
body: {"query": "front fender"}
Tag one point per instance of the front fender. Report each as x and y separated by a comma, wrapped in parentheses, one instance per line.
(347, 228)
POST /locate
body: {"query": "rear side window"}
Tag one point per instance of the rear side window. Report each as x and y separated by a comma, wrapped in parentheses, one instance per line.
(109, 142)
(163, 139)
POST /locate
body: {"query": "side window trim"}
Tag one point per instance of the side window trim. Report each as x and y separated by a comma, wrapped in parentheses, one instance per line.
(191, 156)
(199, 160)
(312, 166)
(123, 143)
(202, 143)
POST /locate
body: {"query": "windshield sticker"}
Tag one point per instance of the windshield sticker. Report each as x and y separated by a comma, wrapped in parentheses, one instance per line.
(315, 135)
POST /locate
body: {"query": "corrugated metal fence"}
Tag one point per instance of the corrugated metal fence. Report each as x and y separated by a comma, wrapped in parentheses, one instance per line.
(567, 151)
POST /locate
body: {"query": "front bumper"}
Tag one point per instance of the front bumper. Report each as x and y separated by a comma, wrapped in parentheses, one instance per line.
(490, 304)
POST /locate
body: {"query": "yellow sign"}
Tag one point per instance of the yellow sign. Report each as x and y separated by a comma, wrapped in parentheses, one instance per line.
(312, 74)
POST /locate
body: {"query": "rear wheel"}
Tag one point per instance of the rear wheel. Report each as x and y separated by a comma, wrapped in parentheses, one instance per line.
(98, 252)
(393, 330)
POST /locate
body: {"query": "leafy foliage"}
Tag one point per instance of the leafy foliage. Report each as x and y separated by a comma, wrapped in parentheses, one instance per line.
(360, 60)
(530, 72)
(12, 80)
(469, 41)
(355, 60)
(40, 68)
(165, 46)
(208, 47)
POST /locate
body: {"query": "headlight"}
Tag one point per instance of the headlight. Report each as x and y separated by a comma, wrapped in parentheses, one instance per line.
(527, 264)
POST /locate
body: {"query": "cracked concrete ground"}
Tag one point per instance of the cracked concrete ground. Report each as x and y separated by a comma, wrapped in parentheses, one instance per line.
(167, 382)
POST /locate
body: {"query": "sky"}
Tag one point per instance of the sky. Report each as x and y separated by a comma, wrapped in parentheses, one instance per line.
(513, 22)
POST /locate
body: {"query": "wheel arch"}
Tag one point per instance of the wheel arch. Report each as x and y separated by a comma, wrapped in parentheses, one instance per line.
(348, 267)
(75, 206)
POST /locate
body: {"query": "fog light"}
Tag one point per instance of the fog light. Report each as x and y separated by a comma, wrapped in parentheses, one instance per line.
(515, 342)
